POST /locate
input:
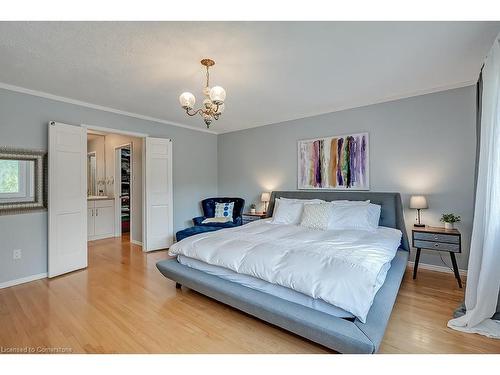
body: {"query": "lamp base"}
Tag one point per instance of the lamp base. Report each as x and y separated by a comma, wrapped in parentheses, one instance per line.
(419, 225)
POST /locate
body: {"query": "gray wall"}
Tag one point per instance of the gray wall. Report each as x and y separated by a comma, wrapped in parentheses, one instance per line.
(424, 145)
(23, 123)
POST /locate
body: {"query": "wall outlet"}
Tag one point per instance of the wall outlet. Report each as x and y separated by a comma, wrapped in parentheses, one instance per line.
(17, 254)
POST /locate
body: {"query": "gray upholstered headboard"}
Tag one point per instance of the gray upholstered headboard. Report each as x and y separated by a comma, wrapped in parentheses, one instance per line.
(391, 214)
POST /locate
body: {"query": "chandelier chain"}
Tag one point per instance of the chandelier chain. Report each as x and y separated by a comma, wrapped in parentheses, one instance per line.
(208, 78)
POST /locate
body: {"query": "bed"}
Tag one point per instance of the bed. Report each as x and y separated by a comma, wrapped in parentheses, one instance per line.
(337, 329)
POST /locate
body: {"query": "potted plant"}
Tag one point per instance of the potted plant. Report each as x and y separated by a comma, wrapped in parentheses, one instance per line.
(449, 220)
(252, 208)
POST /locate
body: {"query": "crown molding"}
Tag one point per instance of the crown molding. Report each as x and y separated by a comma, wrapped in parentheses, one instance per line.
(63, 99)
(80, 103)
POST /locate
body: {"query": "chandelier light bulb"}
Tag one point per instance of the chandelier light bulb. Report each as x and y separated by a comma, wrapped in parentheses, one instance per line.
(187, 100)
(217, 95)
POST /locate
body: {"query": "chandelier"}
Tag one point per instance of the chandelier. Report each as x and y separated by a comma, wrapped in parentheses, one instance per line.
(213, 104)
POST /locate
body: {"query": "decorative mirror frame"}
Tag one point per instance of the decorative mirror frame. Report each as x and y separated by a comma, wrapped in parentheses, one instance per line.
(40, 176)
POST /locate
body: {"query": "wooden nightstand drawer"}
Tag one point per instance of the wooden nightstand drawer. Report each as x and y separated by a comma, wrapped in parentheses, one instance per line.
(450, 238)
(443, 246)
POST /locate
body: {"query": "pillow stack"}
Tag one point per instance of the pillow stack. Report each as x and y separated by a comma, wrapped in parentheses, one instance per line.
(289, 211)
(321, 215)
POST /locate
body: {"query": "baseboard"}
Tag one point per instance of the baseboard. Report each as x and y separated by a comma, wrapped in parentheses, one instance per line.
(101, 237)
(135, 242)
(23, 280)
(432, 267)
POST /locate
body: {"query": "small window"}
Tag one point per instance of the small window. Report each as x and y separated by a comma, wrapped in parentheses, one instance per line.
(16, 180)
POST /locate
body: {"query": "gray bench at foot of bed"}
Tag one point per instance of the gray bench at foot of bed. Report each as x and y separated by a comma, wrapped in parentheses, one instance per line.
(335, 333)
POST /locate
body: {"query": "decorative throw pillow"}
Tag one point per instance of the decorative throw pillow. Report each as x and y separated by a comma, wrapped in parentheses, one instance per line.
(224, 209)
(316, 215)
(286, 212)
(359, 217)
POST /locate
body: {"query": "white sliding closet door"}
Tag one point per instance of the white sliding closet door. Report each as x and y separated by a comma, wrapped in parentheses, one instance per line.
(158, 216)
(67, 199)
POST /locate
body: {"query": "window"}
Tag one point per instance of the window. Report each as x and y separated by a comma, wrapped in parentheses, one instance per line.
(16, 180)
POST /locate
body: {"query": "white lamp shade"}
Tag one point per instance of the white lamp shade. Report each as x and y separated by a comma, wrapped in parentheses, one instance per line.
(217, 94)
(418, 202)
(187, 100)
(265, 197)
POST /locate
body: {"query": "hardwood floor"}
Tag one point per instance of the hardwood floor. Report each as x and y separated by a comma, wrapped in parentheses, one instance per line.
(122, 304)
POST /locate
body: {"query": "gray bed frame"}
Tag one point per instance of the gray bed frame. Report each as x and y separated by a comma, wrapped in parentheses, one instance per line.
(341, 335)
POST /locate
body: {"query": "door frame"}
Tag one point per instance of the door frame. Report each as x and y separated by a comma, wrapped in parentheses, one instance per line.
(117, 188)
(143, 137)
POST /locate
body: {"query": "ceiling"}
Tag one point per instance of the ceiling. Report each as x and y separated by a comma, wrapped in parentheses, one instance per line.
(272, 71)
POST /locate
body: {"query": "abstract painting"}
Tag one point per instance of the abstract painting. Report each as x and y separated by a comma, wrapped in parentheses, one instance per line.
(335, 163)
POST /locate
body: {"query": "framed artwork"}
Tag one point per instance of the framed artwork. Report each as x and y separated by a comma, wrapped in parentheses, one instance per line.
(334, 163)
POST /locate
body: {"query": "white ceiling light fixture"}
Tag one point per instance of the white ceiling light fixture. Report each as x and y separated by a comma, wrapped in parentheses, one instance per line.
(213, 105)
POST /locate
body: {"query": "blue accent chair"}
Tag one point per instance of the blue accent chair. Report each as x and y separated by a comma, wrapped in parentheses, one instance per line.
(208, 206)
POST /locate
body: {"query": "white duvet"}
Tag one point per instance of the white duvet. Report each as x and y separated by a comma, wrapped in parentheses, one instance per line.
(345, 268)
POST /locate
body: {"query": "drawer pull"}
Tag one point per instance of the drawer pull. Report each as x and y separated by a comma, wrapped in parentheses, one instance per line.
(436, 245)
(436, 237)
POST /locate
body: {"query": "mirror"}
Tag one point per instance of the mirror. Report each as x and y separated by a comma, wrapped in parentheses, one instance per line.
(91, 174)
(22, 180)
(96, 164)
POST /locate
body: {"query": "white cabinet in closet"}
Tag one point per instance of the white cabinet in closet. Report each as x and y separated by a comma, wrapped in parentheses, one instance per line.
(100, 219)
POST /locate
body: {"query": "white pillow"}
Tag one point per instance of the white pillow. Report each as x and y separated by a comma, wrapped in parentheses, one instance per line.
(346, 202)
(302, 200)
(316, 215)
(286, 212)
(277, 201)
(223, 219)
(360, 217)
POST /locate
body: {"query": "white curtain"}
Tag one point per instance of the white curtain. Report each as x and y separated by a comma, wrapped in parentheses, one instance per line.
(483, 276)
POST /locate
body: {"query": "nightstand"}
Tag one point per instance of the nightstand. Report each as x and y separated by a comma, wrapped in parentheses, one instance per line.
(439, 239)
(249, 217)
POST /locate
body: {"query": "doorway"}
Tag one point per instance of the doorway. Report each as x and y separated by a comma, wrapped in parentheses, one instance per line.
(115, 209)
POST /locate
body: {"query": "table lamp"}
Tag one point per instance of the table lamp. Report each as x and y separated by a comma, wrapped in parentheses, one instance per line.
(265, 197)
(418, 202)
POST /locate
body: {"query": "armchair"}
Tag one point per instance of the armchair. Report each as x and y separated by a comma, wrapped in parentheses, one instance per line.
(208, 206)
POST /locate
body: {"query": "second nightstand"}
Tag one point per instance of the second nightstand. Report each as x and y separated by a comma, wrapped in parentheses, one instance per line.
(440, 239)
(248, 217)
